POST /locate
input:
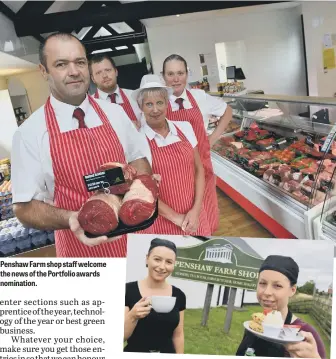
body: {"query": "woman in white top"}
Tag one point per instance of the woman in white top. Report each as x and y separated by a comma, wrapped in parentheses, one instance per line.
(195, 106)
(171, 148)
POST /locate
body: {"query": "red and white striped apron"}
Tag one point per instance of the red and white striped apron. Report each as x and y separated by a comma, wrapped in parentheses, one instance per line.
(75, 154)
(195, 117)
(126, 105)
(176, 165)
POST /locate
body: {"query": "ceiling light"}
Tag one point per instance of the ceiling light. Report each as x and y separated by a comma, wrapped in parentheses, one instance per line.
(121, 48)
(102, 32)
(99, 51)
(8, 47)
(121, 27)
(178, 15)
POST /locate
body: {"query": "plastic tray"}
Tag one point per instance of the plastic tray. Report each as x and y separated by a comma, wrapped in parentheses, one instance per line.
(124, 229)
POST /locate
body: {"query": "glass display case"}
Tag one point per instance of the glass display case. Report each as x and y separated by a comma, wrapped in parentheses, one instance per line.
(285, 146)
(328, 214)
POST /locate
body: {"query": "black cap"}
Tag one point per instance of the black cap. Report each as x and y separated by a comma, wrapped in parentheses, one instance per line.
(157, 242)
(285, 265)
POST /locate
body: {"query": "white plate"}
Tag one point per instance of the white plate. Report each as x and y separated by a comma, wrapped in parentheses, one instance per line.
(281, 339)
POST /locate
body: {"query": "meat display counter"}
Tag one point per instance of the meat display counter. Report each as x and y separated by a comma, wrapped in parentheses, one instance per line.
(276, 165)
(325, 224)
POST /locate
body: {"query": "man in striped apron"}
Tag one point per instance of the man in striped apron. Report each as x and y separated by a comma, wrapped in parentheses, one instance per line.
(69, 137)
(104, 74)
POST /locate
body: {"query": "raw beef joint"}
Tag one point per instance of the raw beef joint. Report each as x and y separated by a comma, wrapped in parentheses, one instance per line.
(129, 173)
(139, 202)
(99, 215)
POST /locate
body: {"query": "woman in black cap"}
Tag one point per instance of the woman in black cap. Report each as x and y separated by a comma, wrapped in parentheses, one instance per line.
(276, 284)
(146, 330)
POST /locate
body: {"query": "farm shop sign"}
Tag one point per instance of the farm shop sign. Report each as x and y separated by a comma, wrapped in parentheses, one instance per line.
(225, 261)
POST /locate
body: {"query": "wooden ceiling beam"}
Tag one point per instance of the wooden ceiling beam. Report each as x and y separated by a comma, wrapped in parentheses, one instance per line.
(12, 16)
(34, 8)
(115, 53)
(111, 42)
(122, 13)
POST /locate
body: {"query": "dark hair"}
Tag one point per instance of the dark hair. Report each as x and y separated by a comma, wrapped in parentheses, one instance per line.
(158, 242)
(94, 59)
(174, 57)
(65, 35)
(285, 265)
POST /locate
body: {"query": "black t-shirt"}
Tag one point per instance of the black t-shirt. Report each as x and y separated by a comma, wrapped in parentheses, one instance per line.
(154, 332)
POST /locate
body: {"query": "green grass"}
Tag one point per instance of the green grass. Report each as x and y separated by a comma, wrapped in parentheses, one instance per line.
(212, 339)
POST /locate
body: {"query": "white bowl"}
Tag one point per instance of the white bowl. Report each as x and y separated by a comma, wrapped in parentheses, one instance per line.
(163, 304)
(272, 330)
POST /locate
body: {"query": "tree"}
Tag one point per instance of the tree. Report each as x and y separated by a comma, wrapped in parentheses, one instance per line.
(307, 288)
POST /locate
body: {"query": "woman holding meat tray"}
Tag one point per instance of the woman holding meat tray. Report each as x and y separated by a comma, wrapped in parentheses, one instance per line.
(171, 148)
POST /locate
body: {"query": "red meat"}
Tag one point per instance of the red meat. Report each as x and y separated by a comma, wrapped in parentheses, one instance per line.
(240, 134)
(266, 142)
(274, 178)
(296, 176)
(300, 196)
(263, 133)
(226, 140)
(129, 173)
(318, 197)
(243, 151)
(268, 173)
(284, 168)
(285, 176)
(252, 136)
(139, 202)
(291, 186)
(99, 215)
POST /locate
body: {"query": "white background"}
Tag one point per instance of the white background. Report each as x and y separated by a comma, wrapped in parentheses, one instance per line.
(273, 39)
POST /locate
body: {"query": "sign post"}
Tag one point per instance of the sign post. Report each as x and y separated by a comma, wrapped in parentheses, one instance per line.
(229, 311)
(207, 305)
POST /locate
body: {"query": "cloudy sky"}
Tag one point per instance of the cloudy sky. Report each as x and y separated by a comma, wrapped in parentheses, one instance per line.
(315, 258)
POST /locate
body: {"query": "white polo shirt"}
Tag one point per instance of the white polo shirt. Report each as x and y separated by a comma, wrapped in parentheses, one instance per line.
(209, 105)
(172, 137)
(32, 172)
(104, 96)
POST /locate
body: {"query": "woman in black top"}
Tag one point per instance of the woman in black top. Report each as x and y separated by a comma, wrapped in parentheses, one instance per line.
(276, 284)
(146, 330)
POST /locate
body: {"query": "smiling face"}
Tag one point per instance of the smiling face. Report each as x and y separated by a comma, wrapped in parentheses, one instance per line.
(66, 70)
(154, 107)
(104, 75)
(160, 262)
(175, 76)
(274, 290)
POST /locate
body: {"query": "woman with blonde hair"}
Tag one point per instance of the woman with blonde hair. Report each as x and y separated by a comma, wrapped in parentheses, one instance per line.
(172, 150)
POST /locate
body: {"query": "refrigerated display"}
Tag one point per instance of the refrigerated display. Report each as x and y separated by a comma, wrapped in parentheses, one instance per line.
(280, 163)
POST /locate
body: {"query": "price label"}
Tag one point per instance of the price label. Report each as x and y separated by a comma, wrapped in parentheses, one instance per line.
(104, 179)
(329, 139)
